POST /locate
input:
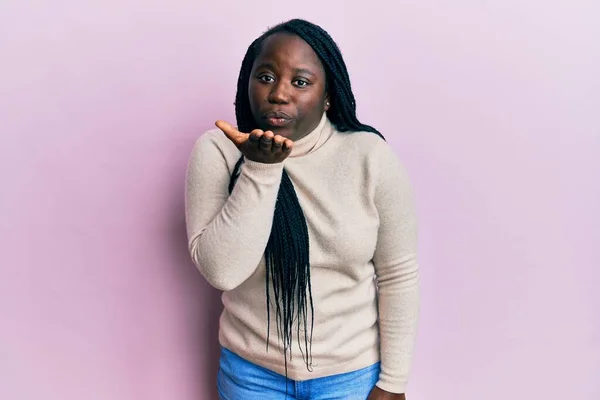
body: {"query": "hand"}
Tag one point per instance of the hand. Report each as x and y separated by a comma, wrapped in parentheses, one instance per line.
(259, 146)
(380, 394)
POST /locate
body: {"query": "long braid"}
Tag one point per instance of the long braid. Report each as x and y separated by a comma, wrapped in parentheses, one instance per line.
(287, 251)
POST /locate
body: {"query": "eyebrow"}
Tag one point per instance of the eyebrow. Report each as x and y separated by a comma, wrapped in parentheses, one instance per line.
(296, 70)
(304, 71)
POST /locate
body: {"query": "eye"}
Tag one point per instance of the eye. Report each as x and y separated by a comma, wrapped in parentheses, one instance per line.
(301, 83)
(266, 78)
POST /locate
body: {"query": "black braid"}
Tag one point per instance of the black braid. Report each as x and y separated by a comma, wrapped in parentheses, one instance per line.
(287, 251)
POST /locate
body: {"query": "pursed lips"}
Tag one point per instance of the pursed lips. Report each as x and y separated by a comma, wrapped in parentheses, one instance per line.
(277, 118)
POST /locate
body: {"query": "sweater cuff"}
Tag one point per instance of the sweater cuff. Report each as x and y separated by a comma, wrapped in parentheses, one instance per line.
(392, 387)
(262, 171)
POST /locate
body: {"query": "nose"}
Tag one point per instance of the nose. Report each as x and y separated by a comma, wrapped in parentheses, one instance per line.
(280, 93)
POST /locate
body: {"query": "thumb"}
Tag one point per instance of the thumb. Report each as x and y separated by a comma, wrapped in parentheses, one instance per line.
(232, 134)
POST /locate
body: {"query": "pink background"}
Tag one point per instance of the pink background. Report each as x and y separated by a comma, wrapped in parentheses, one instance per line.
(493, 106)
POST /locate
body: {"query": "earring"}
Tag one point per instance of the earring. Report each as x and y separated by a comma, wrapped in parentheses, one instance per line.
(327, 104)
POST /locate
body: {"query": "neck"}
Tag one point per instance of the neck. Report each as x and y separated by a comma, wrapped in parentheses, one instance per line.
(314, 139)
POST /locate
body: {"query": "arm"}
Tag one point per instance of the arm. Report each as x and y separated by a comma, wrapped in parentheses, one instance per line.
(397, 270)
(227, 234)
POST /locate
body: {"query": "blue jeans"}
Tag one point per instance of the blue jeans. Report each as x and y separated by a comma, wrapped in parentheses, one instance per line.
(239, 379)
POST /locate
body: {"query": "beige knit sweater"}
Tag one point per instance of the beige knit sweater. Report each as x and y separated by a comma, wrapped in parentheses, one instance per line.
(358, 205)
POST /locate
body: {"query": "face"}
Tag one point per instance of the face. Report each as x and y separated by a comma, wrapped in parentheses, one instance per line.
(287, 87)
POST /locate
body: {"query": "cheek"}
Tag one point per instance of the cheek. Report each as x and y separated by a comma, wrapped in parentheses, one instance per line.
(312, 106)
(309, 102)
(255, 94)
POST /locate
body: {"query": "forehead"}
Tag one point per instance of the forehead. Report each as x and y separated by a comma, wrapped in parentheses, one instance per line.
(288, 51)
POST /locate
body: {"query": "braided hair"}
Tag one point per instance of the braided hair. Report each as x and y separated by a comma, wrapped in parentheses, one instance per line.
(287, 250)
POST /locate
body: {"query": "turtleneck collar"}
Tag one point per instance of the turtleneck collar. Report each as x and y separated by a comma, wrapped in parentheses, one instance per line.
(315, 139)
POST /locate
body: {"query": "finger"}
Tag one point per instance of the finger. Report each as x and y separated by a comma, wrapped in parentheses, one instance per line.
(254, 139)
(267, 140)
(233, 134)
(287, 145)
(278, 141)
(256, 134)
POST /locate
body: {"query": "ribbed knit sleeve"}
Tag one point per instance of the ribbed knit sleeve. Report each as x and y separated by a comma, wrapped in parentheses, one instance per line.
(397, 270)
(227, 234)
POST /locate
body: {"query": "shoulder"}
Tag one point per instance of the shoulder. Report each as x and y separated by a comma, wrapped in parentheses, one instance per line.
(378, 160)
(369, 147)
(213, 146)
(213, 138)
(363, 141)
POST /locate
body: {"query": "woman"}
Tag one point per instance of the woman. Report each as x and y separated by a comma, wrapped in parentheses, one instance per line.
(303, 217)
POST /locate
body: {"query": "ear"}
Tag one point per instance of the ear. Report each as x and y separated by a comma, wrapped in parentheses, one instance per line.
(327, 102)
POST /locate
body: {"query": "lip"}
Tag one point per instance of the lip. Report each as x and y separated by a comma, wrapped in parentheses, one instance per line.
(277, 118)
